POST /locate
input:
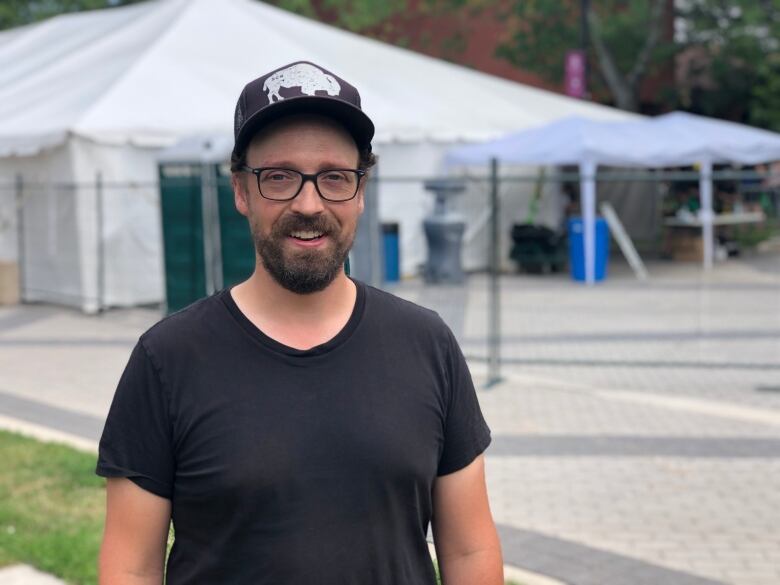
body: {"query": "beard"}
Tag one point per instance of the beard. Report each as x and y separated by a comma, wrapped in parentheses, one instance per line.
(303, 271)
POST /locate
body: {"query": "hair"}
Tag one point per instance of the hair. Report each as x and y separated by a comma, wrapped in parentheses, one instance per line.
(366, 159)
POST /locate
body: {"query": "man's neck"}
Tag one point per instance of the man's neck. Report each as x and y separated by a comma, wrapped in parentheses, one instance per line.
(296, 320)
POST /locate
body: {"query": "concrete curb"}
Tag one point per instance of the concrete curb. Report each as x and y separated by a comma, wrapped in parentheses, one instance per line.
(26, 575)
(46, 434)
(523, 577)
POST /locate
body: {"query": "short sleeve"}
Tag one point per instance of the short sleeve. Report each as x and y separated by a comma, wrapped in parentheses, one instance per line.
(466, 434)
(137, 438)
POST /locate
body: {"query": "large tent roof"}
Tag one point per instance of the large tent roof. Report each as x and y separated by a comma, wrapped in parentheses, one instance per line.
(153, 72)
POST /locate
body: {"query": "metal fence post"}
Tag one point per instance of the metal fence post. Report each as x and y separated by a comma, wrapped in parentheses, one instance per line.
(494, 298)
(212, 238)
(101, 264)
(366, 257)
(20, 251)
(377, 257)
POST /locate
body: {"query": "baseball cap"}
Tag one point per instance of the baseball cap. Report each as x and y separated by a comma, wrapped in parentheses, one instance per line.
(300, 87)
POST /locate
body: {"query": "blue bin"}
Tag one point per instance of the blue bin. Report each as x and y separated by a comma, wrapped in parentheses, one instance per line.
(577, 248)
(392, 254)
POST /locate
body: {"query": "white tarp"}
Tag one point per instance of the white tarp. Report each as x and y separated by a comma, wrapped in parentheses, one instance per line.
(141, 77)
(693, 139)
(675, 139)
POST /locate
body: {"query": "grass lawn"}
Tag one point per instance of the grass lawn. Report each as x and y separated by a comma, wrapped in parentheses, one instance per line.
(52, 507)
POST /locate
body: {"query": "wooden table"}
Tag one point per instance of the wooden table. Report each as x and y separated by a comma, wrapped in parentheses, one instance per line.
(684, 245)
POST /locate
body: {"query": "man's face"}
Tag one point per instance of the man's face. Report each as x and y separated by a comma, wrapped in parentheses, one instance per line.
(283, 230)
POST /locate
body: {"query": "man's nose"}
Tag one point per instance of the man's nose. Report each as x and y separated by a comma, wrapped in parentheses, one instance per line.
(308, 201)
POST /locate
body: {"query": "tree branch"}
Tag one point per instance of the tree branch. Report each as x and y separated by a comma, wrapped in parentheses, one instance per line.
(651, 42)
(620, 90)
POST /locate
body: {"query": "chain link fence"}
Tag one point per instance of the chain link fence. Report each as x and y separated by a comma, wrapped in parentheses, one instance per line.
(99, 244)
(88, 245)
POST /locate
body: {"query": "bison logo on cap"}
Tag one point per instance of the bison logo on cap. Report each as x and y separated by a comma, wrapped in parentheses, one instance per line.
(308, 77)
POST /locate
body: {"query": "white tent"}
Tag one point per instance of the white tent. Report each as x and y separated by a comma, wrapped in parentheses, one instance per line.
(676, 139)
(103, 91)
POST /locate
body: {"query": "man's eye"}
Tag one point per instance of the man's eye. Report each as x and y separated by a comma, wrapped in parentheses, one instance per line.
(278, 176)
(334, 177)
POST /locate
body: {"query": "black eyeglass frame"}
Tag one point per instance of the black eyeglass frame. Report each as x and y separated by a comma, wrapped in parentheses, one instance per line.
(304, 177)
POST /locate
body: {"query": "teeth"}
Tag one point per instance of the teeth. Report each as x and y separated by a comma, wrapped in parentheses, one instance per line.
(306, 235)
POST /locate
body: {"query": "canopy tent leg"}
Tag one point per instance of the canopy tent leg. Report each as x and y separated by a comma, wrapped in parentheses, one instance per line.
(707, 214)
(588, 204)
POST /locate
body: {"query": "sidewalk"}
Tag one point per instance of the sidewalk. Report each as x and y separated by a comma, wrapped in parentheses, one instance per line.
(636, 433)
(24, 575)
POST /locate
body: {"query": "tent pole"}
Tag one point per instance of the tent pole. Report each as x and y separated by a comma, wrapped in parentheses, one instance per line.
(588, 203)
(494, 299)
(20, 251)
(707, 216)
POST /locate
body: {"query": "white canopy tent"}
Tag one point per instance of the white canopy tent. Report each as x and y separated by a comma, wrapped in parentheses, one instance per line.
(104, 91)
(676, 139)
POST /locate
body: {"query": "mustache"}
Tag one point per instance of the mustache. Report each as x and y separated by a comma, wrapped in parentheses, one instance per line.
(298, 222)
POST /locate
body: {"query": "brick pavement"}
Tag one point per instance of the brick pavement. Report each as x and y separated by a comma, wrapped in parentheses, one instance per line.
(703, 505)
(636, 434)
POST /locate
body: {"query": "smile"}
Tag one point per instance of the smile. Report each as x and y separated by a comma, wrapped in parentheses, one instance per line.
(306, 236)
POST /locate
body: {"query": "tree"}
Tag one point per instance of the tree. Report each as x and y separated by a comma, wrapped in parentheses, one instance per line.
(353, 15)
(765, 97)
(627, 36)
(624, 84)
(390, 20)
(735, 69)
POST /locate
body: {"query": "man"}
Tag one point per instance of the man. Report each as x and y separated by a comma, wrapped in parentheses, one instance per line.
(300, 427)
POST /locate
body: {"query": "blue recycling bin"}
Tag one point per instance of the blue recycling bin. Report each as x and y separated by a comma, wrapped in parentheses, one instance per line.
(392, 252)
(577, 248)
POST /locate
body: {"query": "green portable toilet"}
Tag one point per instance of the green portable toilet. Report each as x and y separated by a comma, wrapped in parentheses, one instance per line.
(207, 243)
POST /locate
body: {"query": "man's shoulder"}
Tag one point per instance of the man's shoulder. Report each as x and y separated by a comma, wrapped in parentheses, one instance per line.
(396, 310)
(190, 324)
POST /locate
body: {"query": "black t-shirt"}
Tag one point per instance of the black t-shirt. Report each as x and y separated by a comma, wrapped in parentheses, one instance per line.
(286, 466)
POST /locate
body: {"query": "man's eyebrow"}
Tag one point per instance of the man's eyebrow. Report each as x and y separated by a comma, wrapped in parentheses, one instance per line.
(286, 164)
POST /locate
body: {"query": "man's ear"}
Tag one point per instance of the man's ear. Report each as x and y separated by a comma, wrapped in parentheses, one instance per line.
(362, 195)
(240, 194)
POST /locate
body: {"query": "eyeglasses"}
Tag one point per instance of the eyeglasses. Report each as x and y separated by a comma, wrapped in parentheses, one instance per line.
(334, 185)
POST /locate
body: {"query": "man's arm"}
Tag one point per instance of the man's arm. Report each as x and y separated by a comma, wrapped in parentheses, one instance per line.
(467, 545)
(135, 537)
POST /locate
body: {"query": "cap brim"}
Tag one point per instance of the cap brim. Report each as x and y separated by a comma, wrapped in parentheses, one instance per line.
(356, 122)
